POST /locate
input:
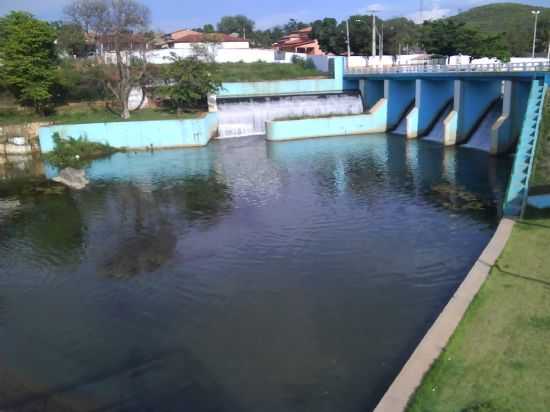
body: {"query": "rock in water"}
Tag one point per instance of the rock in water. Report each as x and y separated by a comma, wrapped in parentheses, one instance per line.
(73, 178)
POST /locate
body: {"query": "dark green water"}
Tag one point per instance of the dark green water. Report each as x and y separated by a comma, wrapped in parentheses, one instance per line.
(243, 276)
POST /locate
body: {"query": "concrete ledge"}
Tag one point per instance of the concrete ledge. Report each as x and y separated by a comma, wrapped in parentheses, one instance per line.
(430, 347)
(373, 122)
(138, 135)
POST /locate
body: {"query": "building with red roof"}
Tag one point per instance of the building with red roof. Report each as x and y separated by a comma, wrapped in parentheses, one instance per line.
(299, 41)
(186, 39)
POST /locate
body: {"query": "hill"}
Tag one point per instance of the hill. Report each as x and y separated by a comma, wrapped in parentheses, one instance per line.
(513, 19)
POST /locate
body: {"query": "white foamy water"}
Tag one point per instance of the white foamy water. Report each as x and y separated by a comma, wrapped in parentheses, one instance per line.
(248, 117)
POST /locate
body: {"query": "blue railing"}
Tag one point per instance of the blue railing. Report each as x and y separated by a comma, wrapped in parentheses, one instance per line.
(516, 195)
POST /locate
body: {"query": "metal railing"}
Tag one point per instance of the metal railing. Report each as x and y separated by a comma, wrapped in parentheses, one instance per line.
(445, 68)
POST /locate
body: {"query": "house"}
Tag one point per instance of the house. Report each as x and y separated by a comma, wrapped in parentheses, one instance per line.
(187, 39)
(299, 41)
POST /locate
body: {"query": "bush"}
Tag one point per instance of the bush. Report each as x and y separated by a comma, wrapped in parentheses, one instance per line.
(81, 81)
(76, 152)
(305, 64)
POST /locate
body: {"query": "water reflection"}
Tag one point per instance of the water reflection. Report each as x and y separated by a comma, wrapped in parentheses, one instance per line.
(243, 276)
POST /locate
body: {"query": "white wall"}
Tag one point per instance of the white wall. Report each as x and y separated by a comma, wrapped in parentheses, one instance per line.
(222, 45)
(162, 56)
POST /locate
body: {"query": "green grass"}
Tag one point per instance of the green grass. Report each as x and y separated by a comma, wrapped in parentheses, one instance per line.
(76, 152)
(250, 72)
(499, 357)
(541, 174)
(79, 114)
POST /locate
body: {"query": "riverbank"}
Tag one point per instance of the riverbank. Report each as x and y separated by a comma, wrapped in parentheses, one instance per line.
(497, 359)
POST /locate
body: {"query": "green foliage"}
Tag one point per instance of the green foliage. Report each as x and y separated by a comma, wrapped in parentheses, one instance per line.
(515, 21)
(330, 37)
(305, 64)
(249, 72)
(188, 82)
(76, 152)
(70, 39)
(28, 60)
(236, 24)
(540, 181)
(81, 80)
(448, 37)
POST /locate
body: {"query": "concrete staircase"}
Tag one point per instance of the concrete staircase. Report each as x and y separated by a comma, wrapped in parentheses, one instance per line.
(516, 195)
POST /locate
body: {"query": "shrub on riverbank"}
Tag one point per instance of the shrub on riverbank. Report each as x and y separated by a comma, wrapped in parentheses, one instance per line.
(76, 153)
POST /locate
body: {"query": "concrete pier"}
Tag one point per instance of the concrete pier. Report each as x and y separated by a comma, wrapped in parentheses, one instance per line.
(507, 128)
(399, 95)
(472, 99)
(371, 91)
(431, 98)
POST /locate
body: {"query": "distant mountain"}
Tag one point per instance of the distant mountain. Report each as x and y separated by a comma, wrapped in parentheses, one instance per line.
(513, 19)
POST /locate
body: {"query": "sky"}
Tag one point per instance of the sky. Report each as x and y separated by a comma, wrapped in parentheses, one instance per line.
(169, 15)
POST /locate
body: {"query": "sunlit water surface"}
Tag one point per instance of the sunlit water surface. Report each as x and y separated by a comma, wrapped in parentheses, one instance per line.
(243, 276)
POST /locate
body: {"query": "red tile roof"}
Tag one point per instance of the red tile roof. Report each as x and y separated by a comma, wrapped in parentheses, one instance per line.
(189, 36)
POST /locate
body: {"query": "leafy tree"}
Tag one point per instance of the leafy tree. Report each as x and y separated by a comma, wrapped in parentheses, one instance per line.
(71, 39)
(400, 34)
(449, 37)
(121, 21)
(236, 24)
(28, 60)
(330, 36)
(293, 25)
(208, 28)
(188, 82)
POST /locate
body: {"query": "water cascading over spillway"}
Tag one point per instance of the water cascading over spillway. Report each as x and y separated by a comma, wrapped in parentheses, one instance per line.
(481, 138)
(438, 131)
(246, 117)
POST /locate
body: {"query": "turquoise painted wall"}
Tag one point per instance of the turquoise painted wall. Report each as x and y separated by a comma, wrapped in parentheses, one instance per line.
(507, 128)
(371, 91)
(431, 97)
(159, 133)
(291, 87)
(399, 94)
(472, 98)
(373, 122)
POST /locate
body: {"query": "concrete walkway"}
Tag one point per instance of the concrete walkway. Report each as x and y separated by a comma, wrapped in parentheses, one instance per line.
(403, 387)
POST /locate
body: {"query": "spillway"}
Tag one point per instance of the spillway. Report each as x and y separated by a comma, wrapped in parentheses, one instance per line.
(246, 117)
(438, 131)
(481, 138)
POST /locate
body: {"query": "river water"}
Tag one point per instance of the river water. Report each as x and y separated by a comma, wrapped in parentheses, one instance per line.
(243, 276)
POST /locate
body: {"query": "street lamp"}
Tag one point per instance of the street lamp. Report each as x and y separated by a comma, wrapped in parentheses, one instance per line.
(536, 14)
(373, 10)
(347, 37)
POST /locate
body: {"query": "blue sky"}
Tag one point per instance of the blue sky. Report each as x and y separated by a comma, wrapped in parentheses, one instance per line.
(173, 14)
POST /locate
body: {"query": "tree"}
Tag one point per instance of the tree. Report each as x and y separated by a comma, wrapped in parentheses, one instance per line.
(208, 28)
(236, 24)
(188, 82)
(71, 39)
(293, 25)
(124, 24)
(330, 36)
(449, 37)
(28, 60)
(400, 34)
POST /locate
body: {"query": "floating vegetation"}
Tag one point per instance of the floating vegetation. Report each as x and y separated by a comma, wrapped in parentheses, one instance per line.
(77, 153)
(457, 198)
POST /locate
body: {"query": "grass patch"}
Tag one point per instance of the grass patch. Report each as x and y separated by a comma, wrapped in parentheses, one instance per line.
(76, 153)
(497, 359)
(541, 175)
(253, 72)
(88, 113)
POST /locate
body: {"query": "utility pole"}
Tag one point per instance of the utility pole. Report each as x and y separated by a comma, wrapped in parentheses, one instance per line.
(244, 32)
(347, 37)
(373, 33)
(381, 41)
(536, 13)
